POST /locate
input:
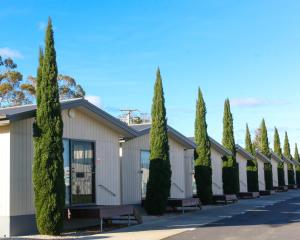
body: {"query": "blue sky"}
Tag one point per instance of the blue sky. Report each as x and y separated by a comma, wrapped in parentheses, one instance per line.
(248, 51)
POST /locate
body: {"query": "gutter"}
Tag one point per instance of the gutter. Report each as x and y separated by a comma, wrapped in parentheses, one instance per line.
(3, 117)
(4, 122)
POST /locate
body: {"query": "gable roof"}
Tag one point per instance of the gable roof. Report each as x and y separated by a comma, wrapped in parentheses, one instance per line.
(276, 157)
(244, 153)
(143, 129)
(295, 162)
(29, 111)
(286, 160)
(217, 146)
(262, 157)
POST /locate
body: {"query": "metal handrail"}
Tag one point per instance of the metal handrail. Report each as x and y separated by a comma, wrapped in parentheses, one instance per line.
(261, 182)
(244, 184)
(107, 190)
(180, 189)
(218, 186)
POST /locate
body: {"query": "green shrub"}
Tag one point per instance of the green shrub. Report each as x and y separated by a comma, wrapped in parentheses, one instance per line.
(298, 177)
(204, 183)
(157, 187)
(281, 181)
(252, 176)
(268, 176)
(291, 175)
(229, 177)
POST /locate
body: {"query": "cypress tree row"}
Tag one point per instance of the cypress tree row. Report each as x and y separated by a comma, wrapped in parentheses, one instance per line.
(264, 148)
(252, 170)
(287, 154)
(48, 171)
(297, 158)
(159, 183)
(203, 171)
(278, 151)
(230, 168)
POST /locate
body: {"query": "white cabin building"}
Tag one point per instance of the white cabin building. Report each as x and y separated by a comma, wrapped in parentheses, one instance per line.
(135, 165)
(261, 160)
(285, 167)
(91, 161)
(218, 151)
(275, 160)
(242, 158)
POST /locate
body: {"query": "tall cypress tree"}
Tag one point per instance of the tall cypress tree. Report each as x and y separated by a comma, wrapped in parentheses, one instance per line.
(264, 148)
(230, 167)
(48, 171)
(203, 171)
(248, 143)
(159, 183)
(252, 171)
(39, 76)
(286, 147)
(287, 154)
(297, 159)
(278, 151)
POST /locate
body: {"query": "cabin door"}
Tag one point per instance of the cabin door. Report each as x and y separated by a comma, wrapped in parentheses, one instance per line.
(83, 172)
(145, 162)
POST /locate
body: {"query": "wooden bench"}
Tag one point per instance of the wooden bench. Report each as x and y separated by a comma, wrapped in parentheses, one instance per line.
(184, 203)
(266, 192)
(294, 186)
(281, 189)
(101, 212)
(226, 198)
(248, 195)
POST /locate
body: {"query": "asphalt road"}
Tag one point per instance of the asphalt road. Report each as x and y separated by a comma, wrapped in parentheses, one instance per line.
(277, 222)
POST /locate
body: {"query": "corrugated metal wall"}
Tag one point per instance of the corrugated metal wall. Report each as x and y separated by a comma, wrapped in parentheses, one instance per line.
(4, 170)
(242, 172)
(261, 176)
(189, 172)
(216, 165)
(82, 126)
(131, 174)
(286, 173)
(21, 195)
(274, 172)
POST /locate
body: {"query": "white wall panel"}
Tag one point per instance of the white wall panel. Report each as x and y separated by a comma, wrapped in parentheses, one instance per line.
(82, 127)
(242, 172)
(217, 179)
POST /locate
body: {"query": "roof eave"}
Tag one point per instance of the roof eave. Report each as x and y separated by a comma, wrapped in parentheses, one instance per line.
(80, 102)
(220, 148)
(263, 157)
(186, 142)
(244, 153)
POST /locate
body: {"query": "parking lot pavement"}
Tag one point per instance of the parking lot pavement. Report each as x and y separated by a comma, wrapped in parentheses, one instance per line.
(273, 222)
(246, 219)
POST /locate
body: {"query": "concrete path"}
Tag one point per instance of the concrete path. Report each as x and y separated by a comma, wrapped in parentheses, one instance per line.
(170, 226)
(191, 225)
(275, 222)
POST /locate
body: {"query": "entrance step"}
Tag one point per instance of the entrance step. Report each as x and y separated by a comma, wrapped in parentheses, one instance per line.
(281, 189)
(266, 192)
(294, 186)
(225, 199)
(248, 195)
